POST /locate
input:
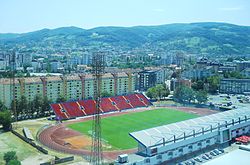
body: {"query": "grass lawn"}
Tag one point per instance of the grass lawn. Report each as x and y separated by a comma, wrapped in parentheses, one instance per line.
(116, 129)
(9, 142)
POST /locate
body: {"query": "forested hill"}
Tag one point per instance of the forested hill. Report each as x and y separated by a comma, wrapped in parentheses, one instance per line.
(212, 38)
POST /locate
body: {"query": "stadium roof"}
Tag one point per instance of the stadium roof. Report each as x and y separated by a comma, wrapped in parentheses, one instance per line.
(176, 131)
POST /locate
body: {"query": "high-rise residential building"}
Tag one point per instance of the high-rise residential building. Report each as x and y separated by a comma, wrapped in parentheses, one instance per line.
(70, 87)
(151, 77)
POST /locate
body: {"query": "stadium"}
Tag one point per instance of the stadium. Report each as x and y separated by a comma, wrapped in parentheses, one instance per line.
(121, 116)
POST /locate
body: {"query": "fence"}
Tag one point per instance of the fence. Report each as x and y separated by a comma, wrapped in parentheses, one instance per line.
(58, 161)
(39, 148)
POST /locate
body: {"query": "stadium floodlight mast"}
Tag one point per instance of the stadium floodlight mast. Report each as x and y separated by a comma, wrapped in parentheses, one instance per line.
(97, 71)
(13, 86)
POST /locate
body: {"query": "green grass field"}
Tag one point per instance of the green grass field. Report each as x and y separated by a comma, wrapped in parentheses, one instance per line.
(116, 129)
(9, 142)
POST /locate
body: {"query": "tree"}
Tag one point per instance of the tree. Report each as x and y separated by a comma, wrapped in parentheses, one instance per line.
(36, 104)
(14, 162)
(61, 99)
(8, 156)
(45, 106)
(198, 85)
(190, 95)
(22, 105)
(2, 106)
(234, 74)
(105, 94)
(151, 93)
(201, 97)
(5, 119)
(157, 92)
(213, 83)
(184, 94)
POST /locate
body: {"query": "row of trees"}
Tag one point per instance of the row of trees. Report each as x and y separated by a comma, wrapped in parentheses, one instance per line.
(184, 94)
(38, 107)
(158, 92)
(5, 117)
(210, 84)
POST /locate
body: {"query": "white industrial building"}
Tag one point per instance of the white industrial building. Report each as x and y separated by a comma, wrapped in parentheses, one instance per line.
(170, 142)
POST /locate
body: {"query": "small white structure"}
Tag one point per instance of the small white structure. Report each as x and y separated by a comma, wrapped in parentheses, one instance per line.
(123, 158)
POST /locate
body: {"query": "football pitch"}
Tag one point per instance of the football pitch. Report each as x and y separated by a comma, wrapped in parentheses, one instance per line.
(116, 129)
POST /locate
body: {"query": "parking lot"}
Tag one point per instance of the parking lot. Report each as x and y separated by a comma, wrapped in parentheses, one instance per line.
(204, 157)
(230, 101)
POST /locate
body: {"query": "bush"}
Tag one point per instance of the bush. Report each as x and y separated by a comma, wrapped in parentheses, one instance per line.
(14, 162)
(8, 156)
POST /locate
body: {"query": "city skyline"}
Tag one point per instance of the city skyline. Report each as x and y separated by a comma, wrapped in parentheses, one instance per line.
(26, 15)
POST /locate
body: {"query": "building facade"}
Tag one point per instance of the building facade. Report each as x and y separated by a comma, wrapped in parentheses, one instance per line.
(70, 87)
(151, 77)
(234, 86)
(175, 83)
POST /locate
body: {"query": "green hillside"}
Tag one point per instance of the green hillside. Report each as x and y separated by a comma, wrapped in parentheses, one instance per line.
(212, 38)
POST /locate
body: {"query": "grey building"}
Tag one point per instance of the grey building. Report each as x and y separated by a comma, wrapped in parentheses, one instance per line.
(151, 76)
(198, 73)
(147, 79)
(234, 86)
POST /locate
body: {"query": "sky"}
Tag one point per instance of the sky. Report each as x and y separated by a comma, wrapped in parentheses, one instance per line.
(18, 16)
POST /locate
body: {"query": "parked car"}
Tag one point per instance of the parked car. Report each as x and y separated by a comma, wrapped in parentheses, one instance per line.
(209, 156)
(198, 159)
(205, 157)
(221, 150)
(213, 153)
(217, 151)
(188, 163)
(192, 161)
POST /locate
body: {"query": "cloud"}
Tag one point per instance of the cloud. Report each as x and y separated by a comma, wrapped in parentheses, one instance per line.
(159, 10)
(231, 8)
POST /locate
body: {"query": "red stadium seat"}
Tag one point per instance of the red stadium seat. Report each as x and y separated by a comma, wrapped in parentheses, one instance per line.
(79, 108)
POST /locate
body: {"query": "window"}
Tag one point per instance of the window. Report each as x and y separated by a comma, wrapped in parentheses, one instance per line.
(190, 147)
(180, 150)
(208, 141)
(170, 153)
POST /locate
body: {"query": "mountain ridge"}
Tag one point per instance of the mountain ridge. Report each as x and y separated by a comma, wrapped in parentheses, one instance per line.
(198, 37)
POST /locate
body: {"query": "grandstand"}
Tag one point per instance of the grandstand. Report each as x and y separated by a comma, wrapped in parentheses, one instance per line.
(68, 110)
(169, 142)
